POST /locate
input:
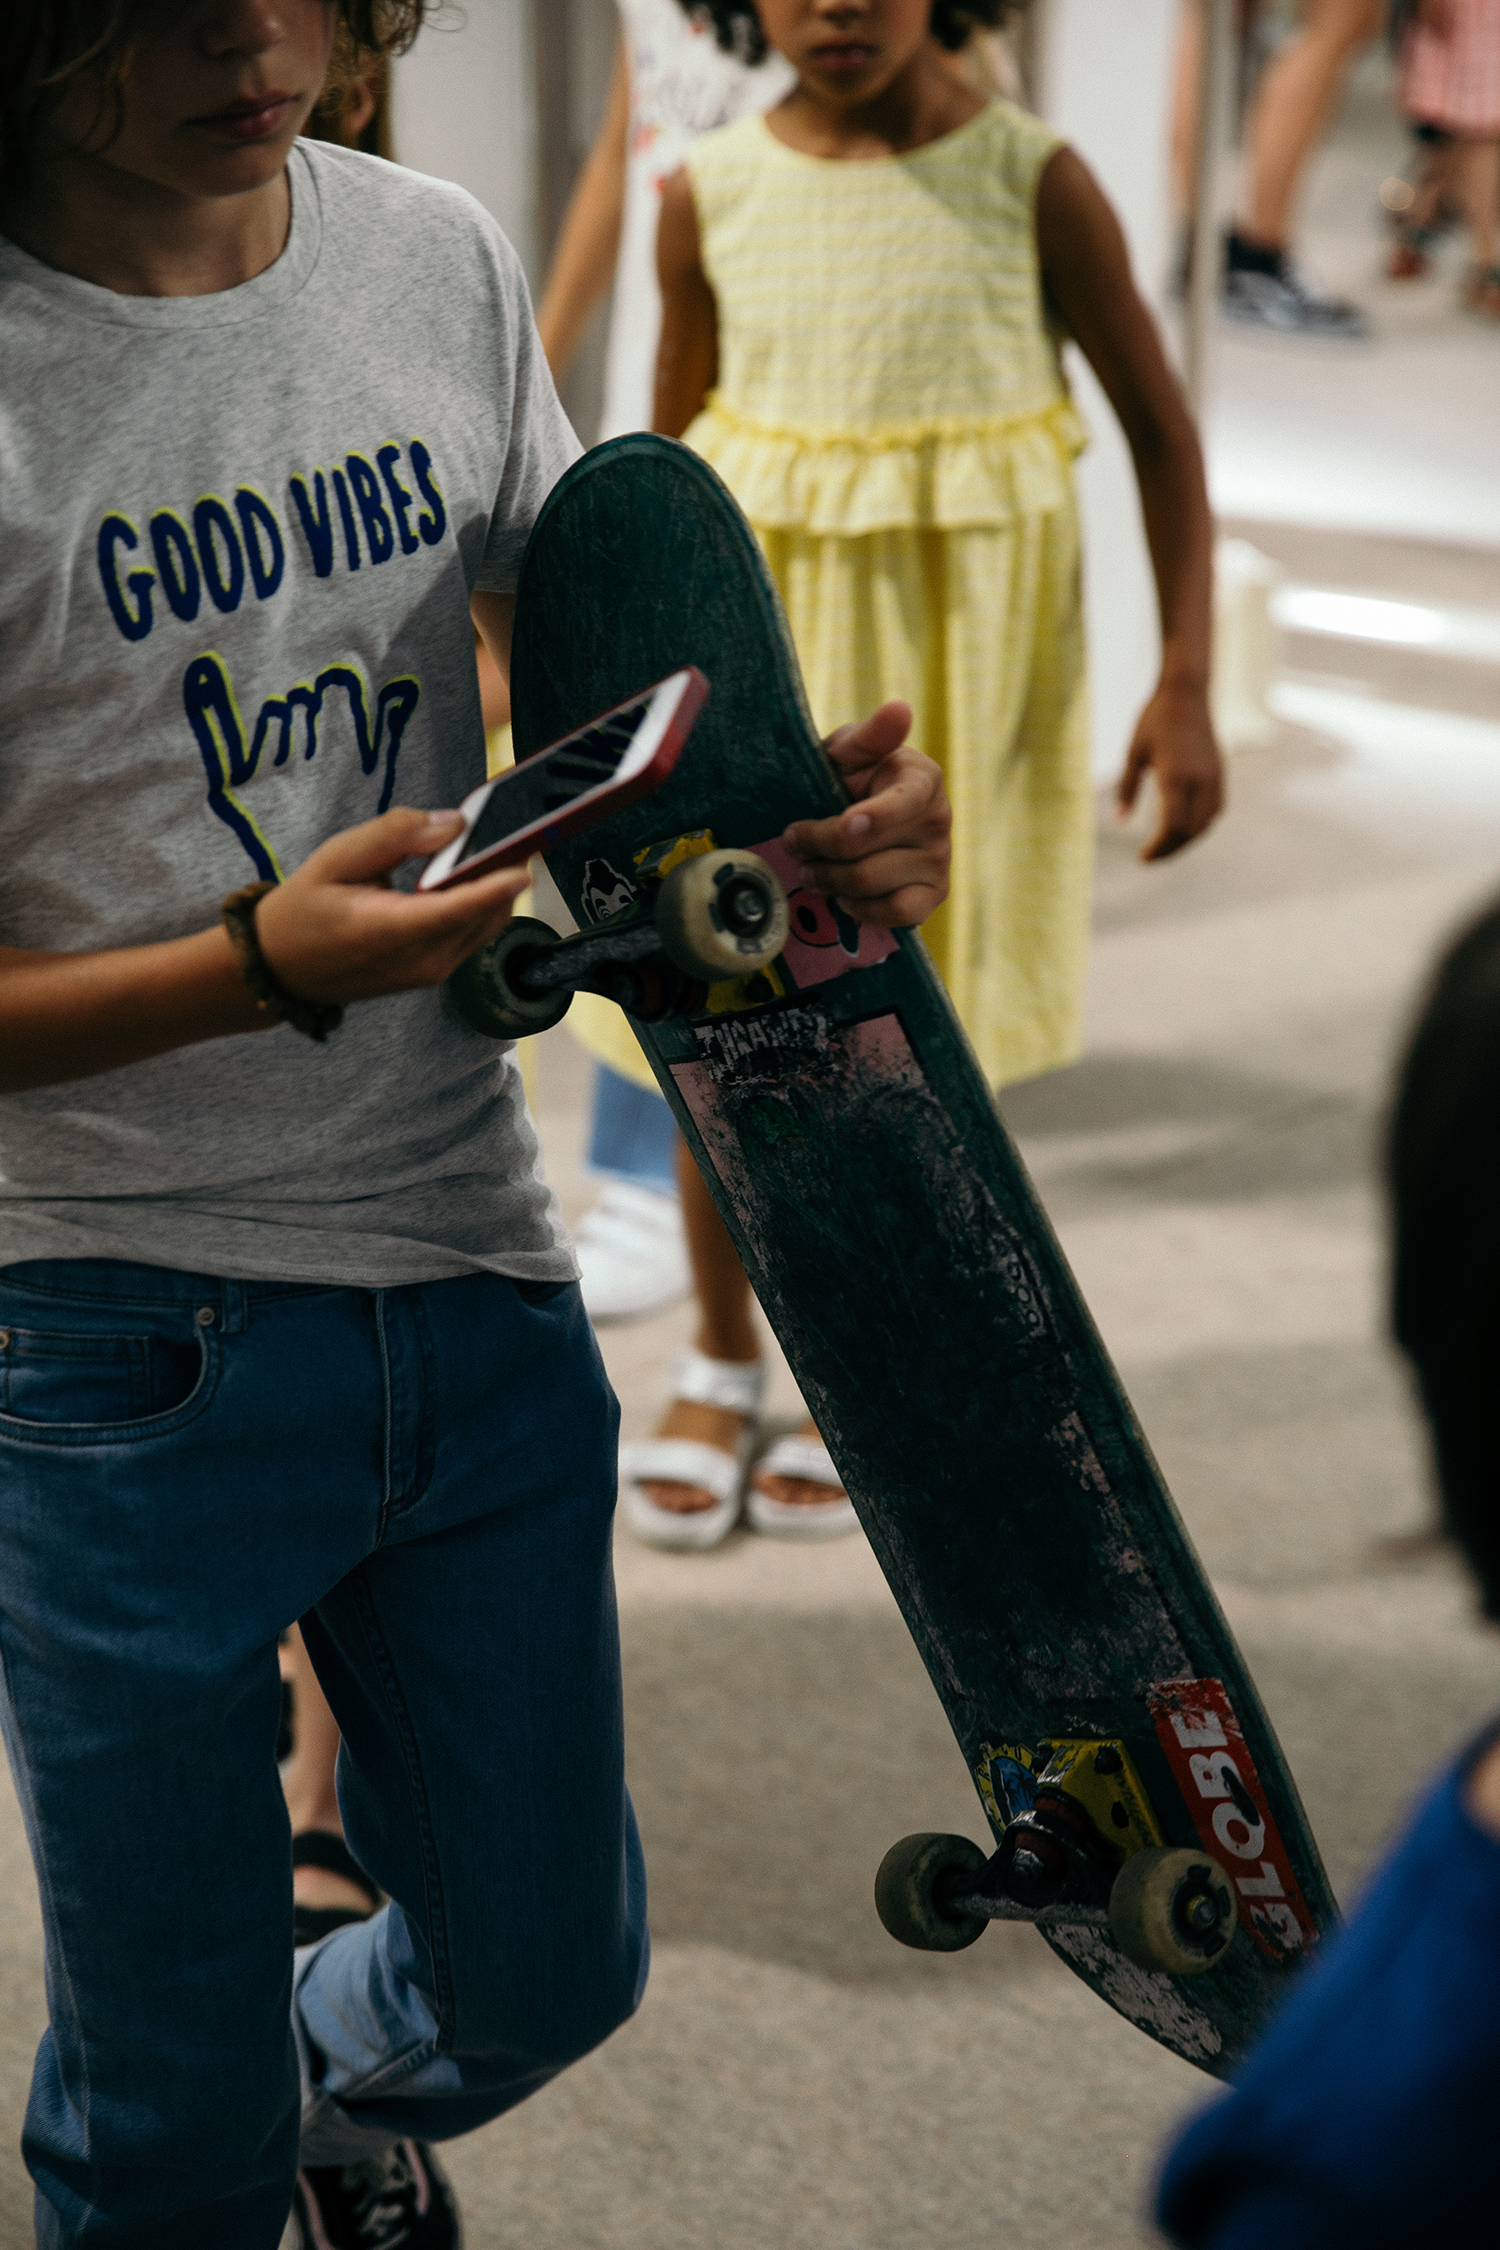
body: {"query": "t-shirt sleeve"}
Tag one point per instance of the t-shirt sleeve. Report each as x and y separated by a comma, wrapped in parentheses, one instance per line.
(541, 444)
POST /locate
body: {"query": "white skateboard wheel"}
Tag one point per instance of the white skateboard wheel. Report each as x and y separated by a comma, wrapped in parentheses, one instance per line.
(722, 914)
(1173, 1910)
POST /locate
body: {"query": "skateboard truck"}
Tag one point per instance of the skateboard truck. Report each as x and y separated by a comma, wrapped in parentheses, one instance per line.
(719, 914)
(1165, 1908)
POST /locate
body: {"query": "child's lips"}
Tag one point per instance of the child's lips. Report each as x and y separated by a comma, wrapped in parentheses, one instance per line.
(843, 59)
(254, 120)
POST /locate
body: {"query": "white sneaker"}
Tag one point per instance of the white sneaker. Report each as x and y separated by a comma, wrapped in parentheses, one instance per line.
(631, 1253)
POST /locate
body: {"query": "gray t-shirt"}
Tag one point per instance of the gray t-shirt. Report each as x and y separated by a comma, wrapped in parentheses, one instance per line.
(238, 534)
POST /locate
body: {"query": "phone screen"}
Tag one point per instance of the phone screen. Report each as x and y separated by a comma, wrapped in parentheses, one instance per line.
(556, 779)
(583, 777)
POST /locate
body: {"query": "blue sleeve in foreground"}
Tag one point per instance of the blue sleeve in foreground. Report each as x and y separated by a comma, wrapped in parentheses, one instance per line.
(1366, 2114)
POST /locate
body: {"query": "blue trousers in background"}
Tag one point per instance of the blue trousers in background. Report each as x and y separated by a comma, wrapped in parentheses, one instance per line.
(632, 1133)
(425, 1476)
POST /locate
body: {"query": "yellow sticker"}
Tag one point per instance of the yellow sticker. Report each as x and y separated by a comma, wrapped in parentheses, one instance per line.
(660, 859)
(1101, 1777)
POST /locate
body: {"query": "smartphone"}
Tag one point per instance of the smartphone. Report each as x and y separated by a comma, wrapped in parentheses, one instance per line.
(603, 767)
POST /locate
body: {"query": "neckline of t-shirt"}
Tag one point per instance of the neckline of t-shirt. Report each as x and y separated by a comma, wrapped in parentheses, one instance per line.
(221, 308)
(871, 163)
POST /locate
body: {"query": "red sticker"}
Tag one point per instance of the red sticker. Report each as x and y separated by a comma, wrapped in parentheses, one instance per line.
(1217, 1777)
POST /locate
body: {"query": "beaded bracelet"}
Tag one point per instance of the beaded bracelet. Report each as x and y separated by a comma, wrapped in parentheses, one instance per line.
(314, 1017)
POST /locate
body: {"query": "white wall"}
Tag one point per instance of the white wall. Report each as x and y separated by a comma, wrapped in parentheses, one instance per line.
(464, 109)
(1104, 76)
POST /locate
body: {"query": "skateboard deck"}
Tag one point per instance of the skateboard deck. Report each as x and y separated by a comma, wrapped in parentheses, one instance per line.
(918, 1291)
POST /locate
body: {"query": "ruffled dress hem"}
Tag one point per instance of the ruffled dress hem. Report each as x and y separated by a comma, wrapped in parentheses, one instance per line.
(943, 474)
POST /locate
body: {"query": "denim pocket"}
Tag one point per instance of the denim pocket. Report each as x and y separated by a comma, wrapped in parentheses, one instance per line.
(58, 1381)
(540, 1292)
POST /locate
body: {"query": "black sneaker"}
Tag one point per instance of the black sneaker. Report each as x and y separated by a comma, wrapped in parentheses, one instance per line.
(1283, 302)
(398, 2201)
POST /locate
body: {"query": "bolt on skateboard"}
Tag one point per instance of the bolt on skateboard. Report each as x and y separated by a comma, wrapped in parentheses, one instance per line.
(1142, 1812)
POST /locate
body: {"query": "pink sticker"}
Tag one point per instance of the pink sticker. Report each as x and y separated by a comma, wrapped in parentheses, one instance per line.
(825, 940)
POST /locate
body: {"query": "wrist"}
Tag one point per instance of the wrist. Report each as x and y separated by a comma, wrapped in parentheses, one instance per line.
(275, 1002)
(1182, 675)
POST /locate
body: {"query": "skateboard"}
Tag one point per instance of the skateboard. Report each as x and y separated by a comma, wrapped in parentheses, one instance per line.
(1142, 1812)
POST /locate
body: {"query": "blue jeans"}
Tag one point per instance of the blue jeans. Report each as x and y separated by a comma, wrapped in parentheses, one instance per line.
(632, 1133)
(425, 1476)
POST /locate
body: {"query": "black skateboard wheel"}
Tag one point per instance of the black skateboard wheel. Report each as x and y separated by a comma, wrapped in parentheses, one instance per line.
(1173, 1910)
(485, 996)
(722, 914)
(907, 1884)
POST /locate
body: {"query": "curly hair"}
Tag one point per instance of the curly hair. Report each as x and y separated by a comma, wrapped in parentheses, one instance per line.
(738, 26)
(50, 46)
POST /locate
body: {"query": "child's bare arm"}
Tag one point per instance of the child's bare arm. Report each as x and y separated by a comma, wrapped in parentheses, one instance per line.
(333, 931)
(687, 358)
(589, 240)
(1086, 268)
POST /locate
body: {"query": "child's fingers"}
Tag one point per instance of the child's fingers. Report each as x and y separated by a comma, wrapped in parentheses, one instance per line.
(1189, 805)
(364, 854)
(896, 888)
(1128, 787)
(907, 804)
(467, 905)
(905, 908)
(855, 748)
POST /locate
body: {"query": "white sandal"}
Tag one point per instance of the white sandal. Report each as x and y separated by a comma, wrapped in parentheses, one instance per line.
(734, 1385)
(805, 1457)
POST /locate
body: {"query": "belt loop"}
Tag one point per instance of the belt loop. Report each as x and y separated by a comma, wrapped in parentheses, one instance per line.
(234, 1301)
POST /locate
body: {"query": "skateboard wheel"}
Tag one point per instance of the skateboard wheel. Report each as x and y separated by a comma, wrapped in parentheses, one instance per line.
(485, 997)
(1173, 1910)
(907, 1886)
(722, 914)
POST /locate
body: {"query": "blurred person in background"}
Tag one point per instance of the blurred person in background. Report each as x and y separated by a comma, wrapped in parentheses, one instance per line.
(1450, 91)
(672, 80)
(1297, 93)
(864, 292)
(1365, 2118)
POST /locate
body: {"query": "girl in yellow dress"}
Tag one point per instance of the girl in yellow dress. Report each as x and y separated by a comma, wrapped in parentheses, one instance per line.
(864, 292)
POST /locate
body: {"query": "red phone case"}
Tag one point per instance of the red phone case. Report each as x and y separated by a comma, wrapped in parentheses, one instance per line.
(541, 834)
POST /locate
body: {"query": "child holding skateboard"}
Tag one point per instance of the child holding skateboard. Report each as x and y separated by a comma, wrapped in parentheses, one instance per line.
(1365, 2115)
(288, 1326)
(864, 293)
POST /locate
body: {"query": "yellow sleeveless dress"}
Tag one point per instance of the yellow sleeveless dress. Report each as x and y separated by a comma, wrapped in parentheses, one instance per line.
(892, 417)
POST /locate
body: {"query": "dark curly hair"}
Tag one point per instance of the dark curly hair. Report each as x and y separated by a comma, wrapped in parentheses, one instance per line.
(739, 32)
(49, 46)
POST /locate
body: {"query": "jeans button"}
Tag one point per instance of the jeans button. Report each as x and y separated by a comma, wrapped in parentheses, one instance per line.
(4, 1339)
(205, 1316)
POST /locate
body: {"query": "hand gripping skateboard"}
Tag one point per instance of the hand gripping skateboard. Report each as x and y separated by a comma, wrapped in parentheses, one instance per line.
(1143, 1815)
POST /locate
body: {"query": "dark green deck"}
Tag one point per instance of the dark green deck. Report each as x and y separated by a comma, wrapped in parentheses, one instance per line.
(890, 1229)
